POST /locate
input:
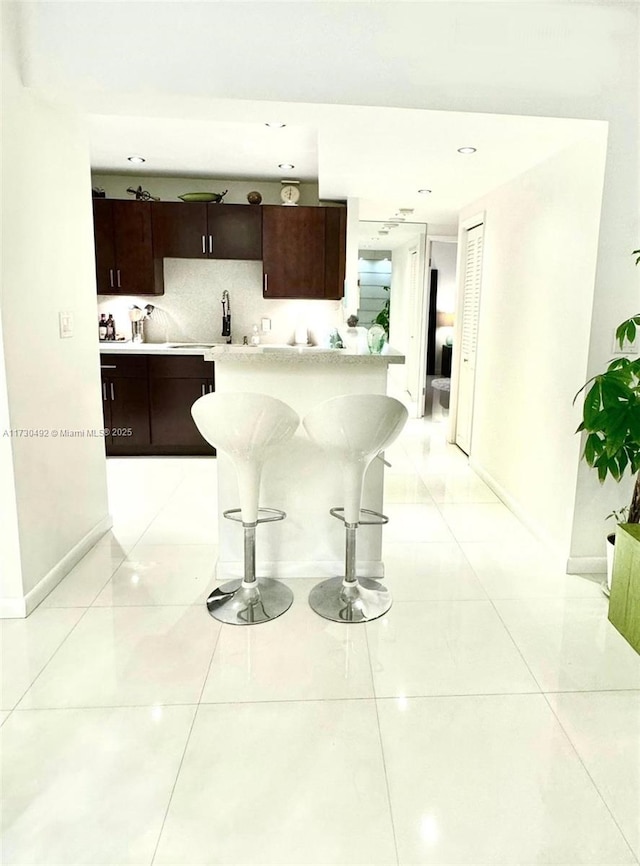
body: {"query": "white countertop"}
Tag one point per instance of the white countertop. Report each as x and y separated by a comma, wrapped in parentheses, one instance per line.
(249, 354)
(300, 354)
(126, 347)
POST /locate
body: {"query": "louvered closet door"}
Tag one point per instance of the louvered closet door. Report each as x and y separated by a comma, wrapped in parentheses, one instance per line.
(414, 385)
(470, 315)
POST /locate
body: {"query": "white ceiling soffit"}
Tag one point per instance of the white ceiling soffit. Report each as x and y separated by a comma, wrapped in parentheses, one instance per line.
(381, 156)
(200, 147)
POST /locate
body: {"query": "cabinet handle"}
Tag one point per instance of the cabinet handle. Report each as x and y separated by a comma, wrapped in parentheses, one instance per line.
(204, 247)
(202, 386)
(211, 389)
(118, 273)
(111, 277)
(104, 391)
(112, 392)
(266, 283)
(210, 244)
(107, 366)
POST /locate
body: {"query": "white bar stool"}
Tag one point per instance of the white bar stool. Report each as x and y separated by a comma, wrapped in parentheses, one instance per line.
(353, 430)
(247, 427)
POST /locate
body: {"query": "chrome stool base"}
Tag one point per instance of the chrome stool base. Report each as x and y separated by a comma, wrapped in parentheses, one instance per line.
(250, 601)
(239, 603)
(360, 601)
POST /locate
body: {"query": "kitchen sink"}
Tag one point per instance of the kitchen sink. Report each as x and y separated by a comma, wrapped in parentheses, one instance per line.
(304, 349)
(191, 345)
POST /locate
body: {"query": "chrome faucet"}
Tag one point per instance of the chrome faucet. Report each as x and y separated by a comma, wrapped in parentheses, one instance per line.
(226, 316)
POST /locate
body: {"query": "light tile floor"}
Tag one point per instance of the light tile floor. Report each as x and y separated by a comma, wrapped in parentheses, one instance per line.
(492, 717)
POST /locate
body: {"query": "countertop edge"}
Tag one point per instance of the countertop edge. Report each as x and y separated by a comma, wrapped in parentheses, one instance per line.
(256, 354)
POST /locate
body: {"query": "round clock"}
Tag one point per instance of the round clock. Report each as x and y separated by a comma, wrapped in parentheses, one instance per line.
(290, 194)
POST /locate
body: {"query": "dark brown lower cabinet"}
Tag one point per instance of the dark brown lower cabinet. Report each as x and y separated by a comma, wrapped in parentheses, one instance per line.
(175, 383)
(125, 402)
(147, 404)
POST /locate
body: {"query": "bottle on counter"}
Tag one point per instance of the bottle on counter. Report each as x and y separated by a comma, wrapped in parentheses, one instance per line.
(111, 328)
(255, 336)
(102, 327)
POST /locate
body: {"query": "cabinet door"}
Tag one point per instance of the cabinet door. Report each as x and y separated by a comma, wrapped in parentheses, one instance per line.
(179, 230)
(234, 231)
(106, 403)
(335, 252)
(104, 246)
(134, 249)
(172, 426)
(293, 252)
(129, 412)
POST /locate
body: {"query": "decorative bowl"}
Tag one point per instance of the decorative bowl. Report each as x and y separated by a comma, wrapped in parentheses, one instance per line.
(203, 196)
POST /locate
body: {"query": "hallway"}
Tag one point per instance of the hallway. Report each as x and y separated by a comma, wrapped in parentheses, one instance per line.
(492, 717)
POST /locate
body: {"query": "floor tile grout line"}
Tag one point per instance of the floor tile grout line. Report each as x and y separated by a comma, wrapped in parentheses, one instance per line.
(384, 763)
(186, 746)
(586, 769)
(515, 644)
(155, 515)
(64, 607)
(52, 656)
(426, 697)
(175, 782)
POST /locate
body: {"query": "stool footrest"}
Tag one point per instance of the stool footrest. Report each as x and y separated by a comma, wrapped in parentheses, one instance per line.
(381, 518)
(272, 514)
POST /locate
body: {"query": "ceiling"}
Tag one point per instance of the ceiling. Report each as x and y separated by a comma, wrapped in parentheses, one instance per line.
(379, 156)
(190, 86)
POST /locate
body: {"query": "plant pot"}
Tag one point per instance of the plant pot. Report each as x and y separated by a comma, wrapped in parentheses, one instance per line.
(611, 540)
(624, 603)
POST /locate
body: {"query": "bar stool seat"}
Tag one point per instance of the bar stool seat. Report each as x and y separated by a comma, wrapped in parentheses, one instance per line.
(247, 428)
(353, 430)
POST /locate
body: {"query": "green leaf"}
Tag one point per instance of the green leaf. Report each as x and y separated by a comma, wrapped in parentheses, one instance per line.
(592, 403)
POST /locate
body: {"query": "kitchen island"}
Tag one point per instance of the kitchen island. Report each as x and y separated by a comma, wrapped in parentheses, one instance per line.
(301, 479)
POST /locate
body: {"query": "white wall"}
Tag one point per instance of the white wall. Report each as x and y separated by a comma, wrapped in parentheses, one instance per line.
(540, 243)
(169, 188)
(51, 383)
(408, 310)
(10, 565)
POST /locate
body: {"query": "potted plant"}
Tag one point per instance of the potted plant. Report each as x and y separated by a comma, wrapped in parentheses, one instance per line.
(611, 418)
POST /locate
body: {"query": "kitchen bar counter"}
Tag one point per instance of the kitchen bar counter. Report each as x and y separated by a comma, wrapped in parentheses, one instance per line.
(266, 352)
(126, 347)
(306, 355)
(300, 479)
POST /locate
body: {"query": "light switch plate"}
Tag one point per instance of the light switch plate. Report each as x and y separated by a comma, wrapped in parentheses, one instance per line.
(266, 324)
(627, 348)
(65, 321)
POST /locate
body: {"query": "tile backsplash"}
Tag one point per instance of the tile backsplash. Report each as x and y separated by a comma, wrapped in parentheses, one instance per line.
(191, 308)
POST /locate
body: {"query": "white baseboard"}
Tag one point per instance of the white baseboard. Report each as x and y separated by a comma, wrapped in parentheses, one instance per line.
(234, 569)
(587, 565)
(559, 558)
(16, 608)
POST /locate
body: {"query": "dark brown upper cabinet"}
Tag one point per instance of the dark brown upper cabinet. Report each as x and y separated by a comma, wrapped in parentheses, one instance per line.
(303, 252)
(125, 263)
(193, 230)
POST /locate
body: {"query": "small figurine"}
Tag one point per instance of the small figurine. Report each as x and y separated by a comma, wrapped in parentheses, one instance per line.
(142, 194)
(254, 197)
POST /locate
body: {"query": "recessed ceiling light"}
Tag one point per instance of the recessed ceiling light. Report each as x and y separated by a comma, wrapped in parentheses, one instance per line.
(405, 210)
(136, 159)
(466, 150)
(286, 166)
(424, 191)
(275, 125)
